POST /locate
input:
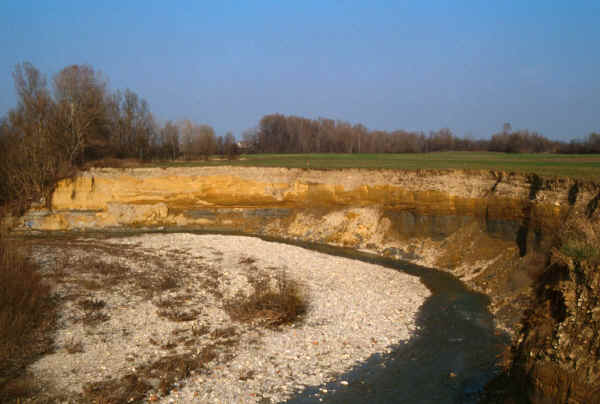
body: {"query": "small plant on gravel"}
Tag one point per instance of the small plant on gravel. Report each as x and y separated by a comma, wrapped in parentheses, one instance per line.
(270, 304)
(169, 370)
(200, 330)
(94, 318)
(91, 304)
(105, 268)
(73, 346)
(151, 283)
(167, 281)
(247, 260)
(178, 315)
(93, 314)
(226, 332)
(90, 284)
(127, 389)
(172, 309)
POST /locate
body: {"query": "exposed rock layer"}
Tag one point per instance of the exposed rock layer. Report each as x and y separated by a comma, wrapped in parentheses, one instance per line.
(492, 229)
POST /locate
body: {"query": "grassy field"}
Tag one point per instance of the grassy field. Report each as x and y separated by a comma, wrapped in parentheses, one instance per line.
(565, 165)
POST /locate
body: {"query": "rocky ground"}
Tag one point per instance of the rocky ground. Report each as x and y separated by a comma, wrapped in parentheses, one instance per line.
(148, 318)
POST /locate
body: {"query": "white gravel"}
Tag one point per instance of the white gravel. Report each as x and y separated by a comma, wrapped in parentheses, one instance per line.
(355, 310)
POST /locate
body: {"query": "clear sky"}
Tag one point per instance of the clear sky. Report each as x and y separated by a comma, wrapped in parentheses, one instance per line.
(416, 65)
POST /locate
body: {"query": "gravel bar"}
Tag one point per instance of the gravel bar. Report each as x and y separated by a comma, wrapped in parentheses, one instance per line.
(356, 310)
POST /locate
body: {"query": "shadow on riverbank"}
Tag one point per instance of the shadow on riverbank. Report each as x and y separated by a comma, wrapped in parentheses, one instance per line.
(449, 360)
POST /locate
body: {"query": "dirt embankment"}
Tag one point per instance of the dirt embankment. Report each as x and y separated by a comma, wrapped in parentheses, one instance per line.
(495, 230)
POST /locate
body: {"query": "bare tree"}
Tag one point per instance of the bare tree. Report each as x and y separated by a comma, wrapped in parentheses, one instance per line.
(230, 148)
(198, 140)
(250, 140)
(170, 140)
(220, 146)
(206, 141)
(30, 160)
(80, 95)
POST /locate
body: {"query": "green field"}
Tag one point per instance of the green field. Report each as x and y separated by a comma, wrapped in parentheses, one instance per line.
(584, 166)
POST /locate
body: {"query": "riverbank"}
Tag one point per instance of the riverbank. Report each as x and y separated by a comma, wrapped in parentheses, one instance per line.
(134, 310)
(497, 231)
(491, 229)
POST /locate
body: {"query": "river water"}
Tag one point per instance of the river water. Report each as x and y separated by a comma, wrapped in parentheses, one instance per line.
(450, 359)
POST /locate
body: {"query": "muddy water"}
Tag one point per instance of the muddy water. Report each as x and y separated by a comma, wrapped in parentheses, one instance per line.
(450, 359)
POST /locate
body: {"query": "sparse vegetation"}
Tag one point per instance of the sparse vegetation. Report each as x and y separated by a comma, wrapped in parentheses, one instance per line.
(27, 319)
(272, 302)
(92, 304)
(127, 389)
(171, 311)
(93, 312)
(132, 388)
(86, 276)
(247, 260)
(580, 249)
(580, 240)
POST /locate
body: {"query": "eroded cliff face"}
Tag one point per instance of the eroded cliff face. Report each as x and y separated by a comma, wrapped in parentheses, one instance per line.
(492, 229)
(556, 354)
(475, 224)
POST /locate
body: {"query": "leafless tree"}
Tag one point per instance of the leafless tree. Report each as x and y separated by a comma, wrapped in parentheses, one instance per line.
(170, 140)
(230, 148)
(80, 93)
(198, 140)
(30, 160)
(206, 141)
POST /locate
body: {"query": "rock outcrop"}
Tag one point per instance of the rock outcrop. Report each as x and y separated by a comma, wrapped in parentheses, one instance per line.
(555, 358)
(494, 230)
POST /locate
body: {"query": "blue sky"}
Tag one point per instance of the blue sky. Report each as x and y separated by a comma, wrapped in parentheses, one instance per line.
(420, 65)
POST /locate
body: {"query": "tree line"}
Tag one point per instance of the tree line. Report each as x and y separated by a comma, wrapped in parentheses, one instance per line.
(277, 133)
(57, 128)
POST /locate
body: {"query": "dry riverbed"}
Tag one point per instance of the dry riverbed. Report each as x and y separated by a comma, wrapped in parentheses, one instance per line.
(147, 318)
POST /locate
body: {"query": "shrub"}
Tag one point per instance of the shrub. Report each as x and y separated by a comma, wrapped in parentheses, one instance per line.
(270, 304)
(27, 317)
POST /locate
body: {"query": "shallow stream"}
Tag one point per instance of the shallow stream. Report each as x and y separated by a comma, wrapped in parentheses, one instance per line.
(450, 360)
